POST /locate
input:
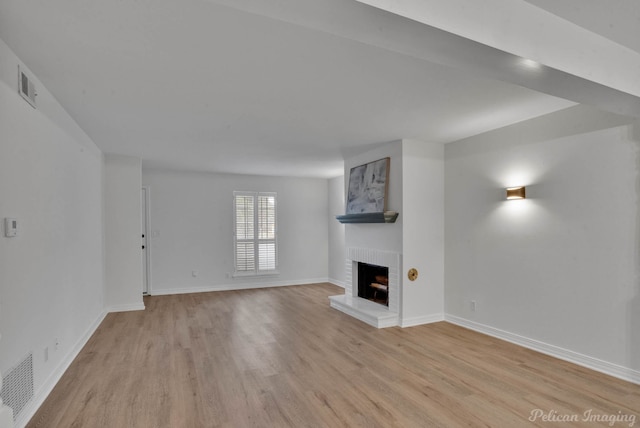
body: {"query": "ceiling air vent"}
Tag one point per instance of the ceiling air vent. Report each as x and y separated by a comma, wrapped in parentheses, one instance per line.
(26, 88)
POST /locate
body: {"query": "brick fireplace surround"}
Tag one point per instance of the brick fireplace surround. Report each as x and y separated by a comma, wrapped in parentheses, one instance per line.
(369, 312)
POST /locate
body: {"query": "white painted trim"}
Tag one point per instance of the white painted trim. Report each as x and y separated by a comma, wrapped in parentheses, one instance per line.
(147, 238)
(364, 310)
(43, 392)
(596, 364)
(127, 307)
(338, 283)
(244, 286)
(422, 319)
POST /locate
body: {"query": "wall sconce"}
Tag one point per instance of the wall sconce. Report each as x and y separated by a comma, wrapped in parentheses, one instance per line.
(515, 192)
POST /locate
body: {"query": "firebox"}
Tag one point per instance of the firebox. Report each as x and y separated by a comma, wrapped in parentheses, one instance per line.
(373, 283)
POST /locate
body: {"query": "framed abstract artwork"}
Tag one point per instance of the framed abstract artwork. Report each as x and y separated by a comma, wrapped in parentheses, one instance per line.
(368, 186)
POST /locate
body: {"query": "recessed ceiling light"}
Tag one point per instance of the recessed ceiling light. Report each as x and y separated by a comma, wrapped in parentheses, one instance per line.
(529, 64)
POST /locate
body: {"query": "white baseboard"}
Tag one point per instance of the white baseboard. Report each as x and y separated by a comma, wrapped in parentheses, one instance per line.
(127, 307)
(43, 392)
(423, 319)
(596, 364)
(239, 286)
(338, 283)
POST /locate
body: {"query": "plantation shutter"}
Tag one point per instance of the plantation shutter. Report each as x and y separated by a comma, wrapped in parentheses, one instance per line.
(267, 232)
(245, 233)
(255, 232)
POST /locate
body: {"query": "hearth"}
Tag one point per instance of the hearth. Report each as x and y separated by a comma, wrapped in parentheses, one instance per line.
(373, 283)
(385, 314)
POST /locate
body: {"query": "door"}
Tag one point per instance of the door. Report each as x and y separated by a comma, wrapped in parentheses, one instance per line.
(144, 220)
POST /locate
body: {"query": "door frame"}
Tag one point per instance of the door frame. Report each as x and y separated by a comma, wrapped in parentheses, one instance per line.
(146, 254)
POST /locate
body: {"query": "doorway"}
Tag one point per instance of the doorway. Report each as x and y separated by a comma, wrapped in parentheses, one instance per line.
(146, 251)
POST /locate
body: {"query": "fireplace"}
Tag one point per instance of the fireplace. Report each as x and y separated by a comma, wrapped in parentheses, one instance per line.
(373, 283)
(377, 310)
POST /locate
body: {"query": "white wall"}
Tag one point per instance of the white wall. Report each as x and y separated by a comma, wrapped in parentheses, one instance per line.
(416, 186)
(558, 271)
(51, 275)
(191, 223)
(336, 242)
(423, 231)
(123, 234)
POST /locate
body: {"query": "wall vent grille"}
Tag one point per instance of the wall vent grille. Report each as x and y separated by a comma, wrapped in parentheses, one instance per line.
(17, 385)
(26, 88)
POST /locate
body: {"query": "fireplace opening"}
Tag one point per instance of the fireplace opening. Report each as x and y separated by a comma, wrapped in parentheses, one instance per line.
(373, 283)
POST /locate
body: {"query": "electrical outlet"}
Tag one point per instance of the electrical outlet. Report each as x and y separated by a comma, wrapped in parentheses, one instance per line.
(473, 306)
(46, 354)
(57, 344)
(194, 273)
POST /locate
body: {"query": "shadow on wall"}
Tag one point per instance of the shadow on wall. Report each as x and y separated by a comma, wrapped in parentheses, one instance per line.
(633, 310)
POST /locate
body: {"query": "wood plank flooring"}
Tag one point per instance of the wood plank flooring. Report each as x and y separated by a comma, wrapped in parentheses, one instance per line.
(281, 357)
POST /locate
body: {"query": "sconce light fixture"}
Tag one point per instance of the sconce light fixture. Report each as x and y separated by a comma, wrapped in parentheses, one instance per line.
(515, 192)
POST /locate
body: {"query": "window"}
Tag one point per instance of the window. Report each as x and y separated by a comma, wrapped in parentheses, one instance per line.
(255, 232)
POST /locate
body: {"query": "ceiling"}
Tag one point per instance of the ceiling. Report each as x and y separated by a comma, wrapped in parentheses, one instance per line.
(291, 87)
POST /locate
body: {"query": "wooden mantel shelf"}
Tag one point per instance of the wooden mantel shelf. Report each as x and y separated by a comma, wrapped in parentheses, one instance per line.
(381, 217)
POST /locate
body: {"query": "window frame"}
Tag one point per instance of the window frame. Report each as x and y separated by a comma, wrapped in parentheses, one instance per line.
(256, 240)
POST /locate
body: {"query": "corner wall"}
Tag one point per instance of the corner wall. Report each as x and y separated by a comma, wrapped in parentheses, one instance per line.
(51, 274)
(558, 271)
(422, 232)
(416, 186)
(336, 232)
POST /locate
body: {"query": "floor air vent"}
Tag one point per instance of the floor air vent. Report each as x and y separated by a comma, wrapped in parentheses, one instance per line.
(17, 385)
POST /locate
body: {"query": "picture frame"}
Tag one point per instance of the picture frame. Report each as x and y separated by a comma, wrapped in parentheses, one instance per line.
(368, 187)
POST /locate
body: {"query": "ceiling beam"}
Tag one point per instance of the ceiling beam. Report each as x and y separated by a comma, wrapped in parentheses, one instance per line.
(525, 30)
(356, 20)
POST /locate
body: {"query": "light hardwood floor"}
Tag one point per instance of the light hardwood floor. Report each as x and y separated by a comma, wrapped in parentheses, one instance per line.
(281, 357)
